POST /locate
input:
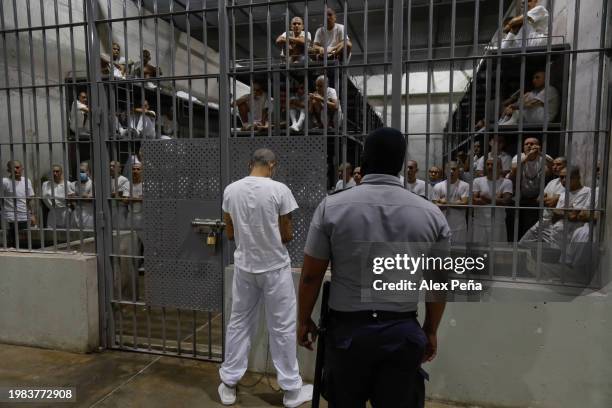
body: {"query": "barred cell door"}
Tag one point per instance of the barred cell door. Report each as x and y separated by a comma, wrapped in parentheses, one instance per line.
(161, 164)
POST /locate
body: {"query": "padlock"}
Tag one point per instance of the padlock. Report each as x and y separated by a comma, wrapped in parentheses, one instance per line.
(211, 239)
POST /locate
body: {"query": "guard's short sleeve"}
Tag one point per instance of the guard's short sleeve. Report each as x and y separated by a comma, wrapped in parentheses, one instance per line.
(286, 201)
(318, 243)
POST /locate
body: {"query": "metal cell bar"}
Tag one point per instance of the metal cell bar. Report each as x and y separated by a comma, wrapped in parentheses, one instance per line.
(570, 124)
(224, 129)
(49, 127)
(398, 30)
(429, 74)
(188, 24)
(36, 208)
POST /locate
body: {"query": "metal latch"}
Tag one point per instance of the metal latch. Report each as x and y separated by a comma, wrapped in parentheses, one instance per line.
(211, 227)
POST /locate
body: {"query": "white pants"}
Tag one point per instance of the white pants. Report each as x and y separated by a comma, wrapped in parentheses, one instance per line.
(278, 294)
(580, 251)
(297, 117)
(485, 234)
(59, 217)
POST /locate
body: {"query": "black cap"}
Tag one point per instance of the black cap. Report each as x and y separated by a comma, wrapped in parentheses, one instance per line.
(383, 152)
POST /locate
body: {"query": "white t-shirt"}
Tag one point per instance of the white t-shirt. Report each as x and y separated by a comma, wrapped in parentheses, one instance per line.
(146, 126)
(8, 207)
(259, 105)
(532, 171)
(484, 186)
(418, 187)
(137, 192)
(54, 195)
(83, 215)
(505, 158)
(116, 71)
(284, 35)
(329, 38)
(554, 187)
(332, 95)
(255, 204)
(535, 31)
(78, 118)
(350, 183)
(578, 200)
(536, 114)
(459, 190)
(120, 185)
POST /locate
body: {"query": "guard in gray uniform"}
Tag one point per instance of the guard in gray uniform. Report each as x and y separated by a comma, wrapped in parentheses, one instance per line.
(373, 349)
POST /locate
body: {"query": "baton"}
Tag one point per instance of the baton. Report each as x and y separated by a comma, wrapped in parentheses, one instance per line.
(320, 359)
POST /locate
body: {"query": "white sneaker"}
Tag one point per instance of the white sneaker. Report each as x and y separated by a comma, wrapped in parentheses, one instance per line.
(227, 394)
(295, 398)
(295, 128)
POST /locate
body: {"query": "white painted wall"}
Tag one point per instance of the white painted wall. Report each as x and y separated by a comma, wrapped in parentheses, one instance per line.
(442, 101)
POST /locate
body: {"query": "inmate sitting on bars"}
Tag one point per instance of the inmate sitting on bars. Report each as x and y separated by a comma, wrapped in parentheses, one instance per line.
(253, 108)
(330, 39)
(534, 101)
(295, 40)
(324, 95)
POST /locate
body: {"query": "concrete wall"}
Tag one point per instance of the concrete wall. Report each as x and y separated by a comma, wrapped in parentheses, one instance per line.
(49, 301)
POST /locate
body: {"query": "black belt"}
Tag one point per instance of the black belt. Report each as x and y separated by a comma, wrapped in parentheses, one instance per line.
(368, 316)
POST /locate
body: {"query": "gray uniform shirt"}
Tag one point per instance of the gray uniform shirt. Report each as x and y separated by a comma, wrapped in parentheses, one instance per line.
(378, 210)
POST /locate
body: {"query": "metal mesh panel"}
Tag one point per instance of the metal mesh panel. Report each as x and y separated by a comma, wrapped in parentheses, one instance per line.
(184, 284)
(182, 179)
(182, 169)
(302, 167)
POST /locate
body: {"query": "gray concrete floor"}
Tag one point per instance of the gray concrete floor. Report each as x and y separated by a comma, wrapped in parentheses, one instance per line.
(124, 379)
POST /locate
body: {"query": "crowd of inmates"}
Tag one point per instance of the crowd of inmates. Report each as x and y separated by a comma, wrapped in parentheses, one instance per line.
(478, 196)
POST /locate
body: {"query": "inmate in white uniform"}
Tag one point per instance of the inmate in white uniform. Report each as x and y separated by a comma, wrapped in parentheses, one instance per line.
(535, 31)
(554, 187)
(134, 215)
(8, 204)
(330, 38)
(121, 186)
(350, 183)
(505, 158)
(83, 214)
(418, 187)
(579, 251)
(578, 200)
(262, 271)
(455, 216)
(54, 197)
(485, 230)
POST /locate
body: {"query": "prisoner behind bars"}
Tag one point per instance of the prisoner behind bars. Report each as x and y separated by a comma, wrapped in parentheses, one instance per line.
(374, 348)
